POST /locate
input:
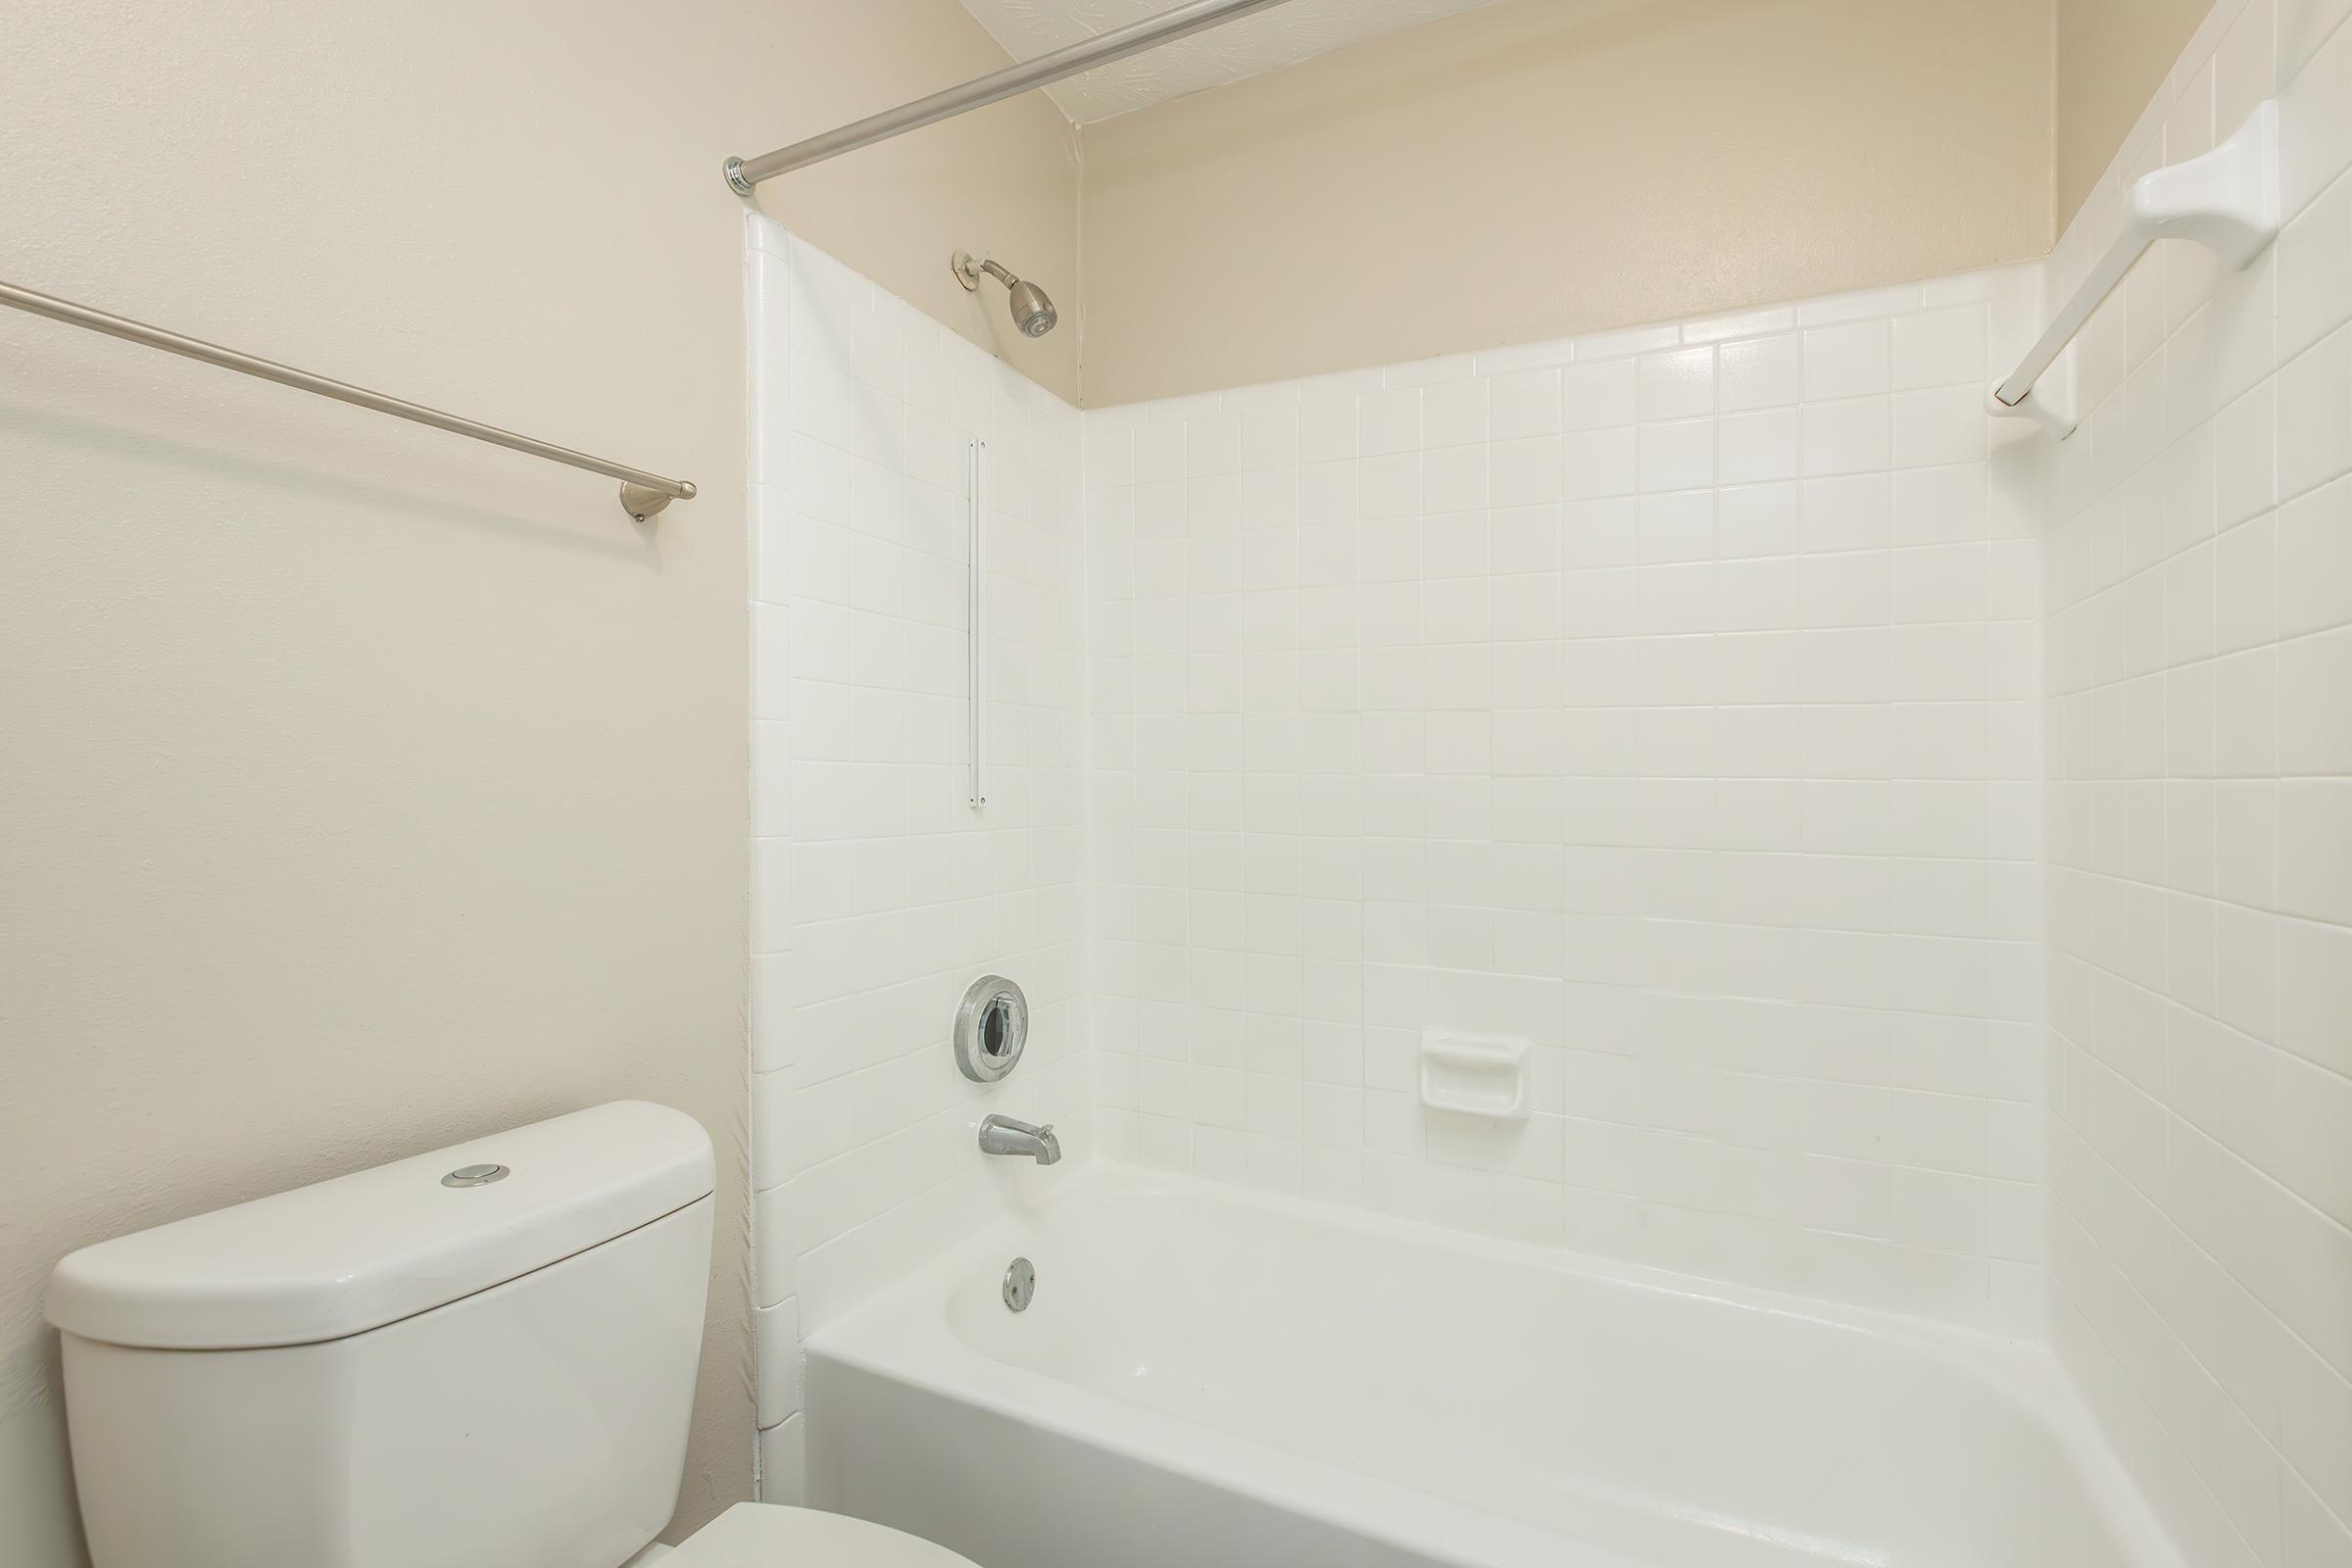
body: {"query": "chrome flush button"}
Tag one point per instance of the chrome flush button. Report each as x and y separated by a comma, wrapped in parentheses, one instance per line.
(474, 1176)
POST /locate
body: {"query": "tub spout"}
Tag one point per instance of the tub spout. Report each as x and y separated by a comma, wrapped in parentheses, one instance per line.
(1001, 1135)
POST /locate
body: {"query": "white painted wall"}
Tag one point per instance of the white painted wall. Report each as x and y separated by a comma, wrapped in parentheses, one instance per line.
(2199, 678)
(878, 893)
(1665, 697)
(362, 788)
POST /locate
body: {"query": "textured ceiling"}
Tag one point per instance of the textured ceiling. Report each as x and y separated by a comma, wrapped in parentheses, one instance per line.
(1265, 41)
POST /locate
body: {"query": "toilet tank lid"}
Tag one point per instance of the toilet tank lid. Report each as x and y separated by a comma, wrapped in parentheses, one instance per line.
(361, 1251)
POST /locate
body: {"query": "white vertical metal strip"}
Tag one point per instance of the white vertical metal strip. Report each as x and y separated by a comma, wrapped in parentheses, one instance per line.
(973, 678)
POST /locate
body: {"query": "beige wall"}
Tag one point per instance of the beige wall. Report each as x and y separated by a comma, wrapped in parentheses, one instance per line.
(364, 788)
(1549, 167)
(2112, 56)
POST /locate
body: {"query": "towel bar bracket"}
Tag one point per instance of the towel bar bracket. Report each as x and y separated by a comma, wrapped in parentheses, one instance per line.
(2050, 402)
(2227, 200)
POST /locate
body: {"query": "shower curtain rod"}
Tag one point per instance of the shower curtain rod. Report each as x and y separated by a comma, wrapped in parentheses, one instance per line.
(745, 174)
(642, 494)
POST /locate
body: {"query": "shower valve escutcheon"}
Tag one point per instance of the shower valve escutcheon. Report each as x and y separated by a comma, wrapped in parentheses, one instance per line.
(1001, 1135)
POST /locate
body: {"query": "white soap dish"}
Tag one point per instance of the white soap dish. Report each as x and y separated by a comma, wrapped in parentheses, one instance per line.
(1474, 1075)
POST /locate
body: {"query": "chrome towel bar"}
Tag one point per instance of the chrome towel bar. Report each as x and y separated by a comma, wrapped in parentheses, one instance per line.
(642, 494)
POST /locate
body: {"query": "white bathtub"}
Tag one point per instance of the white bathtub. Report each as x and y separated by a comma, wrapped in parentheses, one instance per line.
(1211, 1379)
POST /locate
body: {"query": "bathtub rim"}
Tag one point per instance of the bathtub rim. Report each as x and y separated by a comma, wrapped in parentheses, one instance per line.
(903, 1333)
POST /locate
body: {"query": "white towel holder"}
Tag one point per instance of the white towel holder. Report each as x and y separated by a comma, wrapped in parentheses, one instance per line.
(2227, 201)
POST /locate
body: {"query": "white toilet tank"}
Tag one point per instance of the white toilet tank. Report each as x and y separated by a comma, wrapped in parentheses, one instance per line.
(481, 1358)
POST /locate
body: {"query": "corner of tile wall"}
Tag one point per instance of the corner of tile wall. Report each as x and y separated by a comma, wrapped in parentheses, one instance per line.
(878, 892)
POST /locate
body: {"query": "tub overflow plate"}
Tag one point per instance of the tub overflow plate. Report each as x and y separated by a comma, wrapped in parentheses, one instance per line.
(1020, 1284)
(476, 1176)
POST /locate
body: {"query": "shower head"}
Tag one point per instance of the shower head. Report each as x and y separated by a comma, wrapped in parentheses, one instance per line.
(1032, 312)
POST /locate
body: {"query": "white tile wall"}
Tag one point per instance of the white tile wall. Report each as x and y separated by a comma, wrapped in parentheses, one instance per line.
(2199, 675)
(1688, 700)
(1667, 698)
(878, 893)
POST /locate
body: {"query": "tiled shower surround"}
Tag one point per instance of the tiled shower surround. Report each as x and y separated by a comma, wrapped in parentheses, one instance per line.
(1687, 701)
(1664, 698)
(877, 893)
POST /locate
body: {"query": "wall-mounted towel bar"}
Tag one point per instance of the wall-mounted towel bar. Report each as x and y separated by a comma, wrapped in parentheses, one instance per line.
(2227, 201)
(642, 494)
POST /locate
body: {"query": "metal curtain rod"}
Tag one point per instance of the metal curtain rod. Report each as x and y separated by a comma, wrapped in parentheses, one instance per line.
(745, 174)
(642, 494)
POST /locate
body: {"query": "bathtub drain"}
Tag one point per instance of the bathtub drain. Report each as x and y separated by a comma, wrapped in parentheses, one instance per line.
(1020, 1284)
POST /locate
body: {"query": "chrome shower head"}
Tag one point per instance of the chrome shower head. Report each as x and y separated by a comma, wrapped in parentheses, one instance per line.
(1032, 312)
